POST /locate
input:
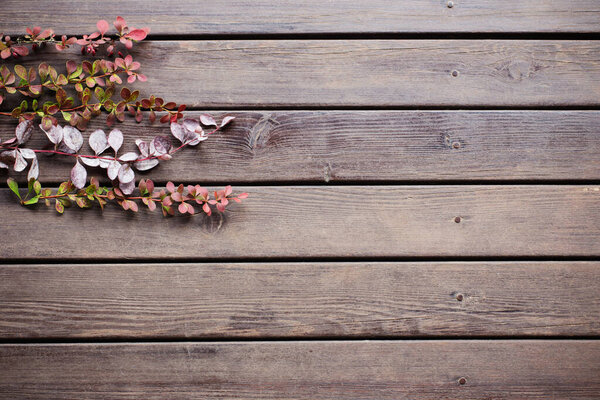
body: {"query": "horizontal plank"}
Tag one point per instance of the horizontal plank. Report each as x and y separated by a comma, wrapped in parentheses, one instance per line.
(299, 300)
(305, 221)
(303, 370)
(342, 146)
(311, 16)
(407, 73)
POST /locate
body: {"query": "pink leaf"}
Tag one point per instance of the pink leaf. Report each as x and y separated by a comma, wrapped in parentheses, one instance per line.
(115, 139)
(137, 34)
(34, 170)
(55, 134)
(143, 146)
(178, 131)
(78, 175)
(102, 26)
(145, 165)
(127, 157)
(126, 174)
(98, 141)
(207, 119)
(20, 162)
(120, 24)
(113, 170)
(23, 131)
(226, 120)
(160, 145)
(72, 138)
(90, 162)
(128, 187)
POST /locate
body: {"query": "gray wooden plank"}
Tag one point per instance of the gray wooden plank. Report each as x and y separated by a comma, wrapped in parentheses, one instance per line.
(336, 221)
(513, 369)
(299, 300)
(310, 16)
(342, 146)
(356, 73)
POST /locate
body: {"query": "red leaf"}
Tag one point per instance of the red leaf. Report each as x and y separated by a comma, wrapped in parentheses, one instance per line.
(20, 50)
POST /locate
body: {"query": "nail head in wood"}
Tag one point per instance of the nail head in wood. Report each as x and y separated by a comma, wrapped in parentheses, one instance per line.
(455, 73)
(462, 381)
(450, 4)
(459, 297)
(457, 219)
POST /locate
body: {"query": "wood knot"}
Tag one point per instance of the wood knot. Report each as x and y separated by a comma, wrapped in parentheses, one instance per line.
(518, 70)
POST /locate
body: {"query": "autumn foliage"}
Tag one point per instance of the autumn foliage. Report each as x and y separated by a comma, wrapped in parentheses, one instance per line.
(63, 119)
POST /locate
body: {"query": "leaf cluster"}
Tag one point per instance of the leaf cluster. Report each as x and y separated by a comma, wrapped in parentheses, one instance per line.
(171, 200)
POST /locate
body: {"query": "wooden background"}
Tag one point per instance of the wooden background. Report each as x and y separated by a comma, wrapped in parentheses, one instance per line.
(363, 130)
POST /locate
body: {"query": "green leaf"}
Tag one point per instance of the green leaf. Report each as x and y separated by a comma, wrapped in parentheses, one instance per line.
(30, 186)
(66, 115)
(37, 187)
(12, 184)
(23, 105)
(34, 104)
(33, 200)
(21, 71)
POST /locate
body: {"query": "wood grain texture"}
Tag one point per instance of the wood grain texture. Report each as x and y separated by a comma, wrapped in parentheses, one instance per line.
(514, 369)
(299, 300)
(342, 146)
(310, 16)
(339, 221)
(378, 73)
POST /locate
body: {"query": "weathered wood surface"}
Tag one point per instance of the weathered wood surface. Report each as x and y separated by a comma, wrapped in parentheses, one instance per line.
(379, 73)
(303, 370)
(338, 221)
(341, 146)
(310, 16)
(299, 300)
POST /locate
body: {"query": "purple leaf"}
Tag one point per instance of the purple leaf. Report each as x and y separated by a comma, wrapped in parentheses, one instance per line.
(145, 165)
(55, 134)
(98, 141)
(72, 138)
(226, 120)
(90, 162)
(7, 158)
(143, 146)
(34, 170)
(27, 153)
(178, 131)
(196, 139)
(65, 149)
(20, 162)
(115, 139)
(192, 124)
(127, 188)
(207, 119)
(78, 175)
(131, 156)
(23, 131)
(113, 170)
(160, 145)
(126, 174)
